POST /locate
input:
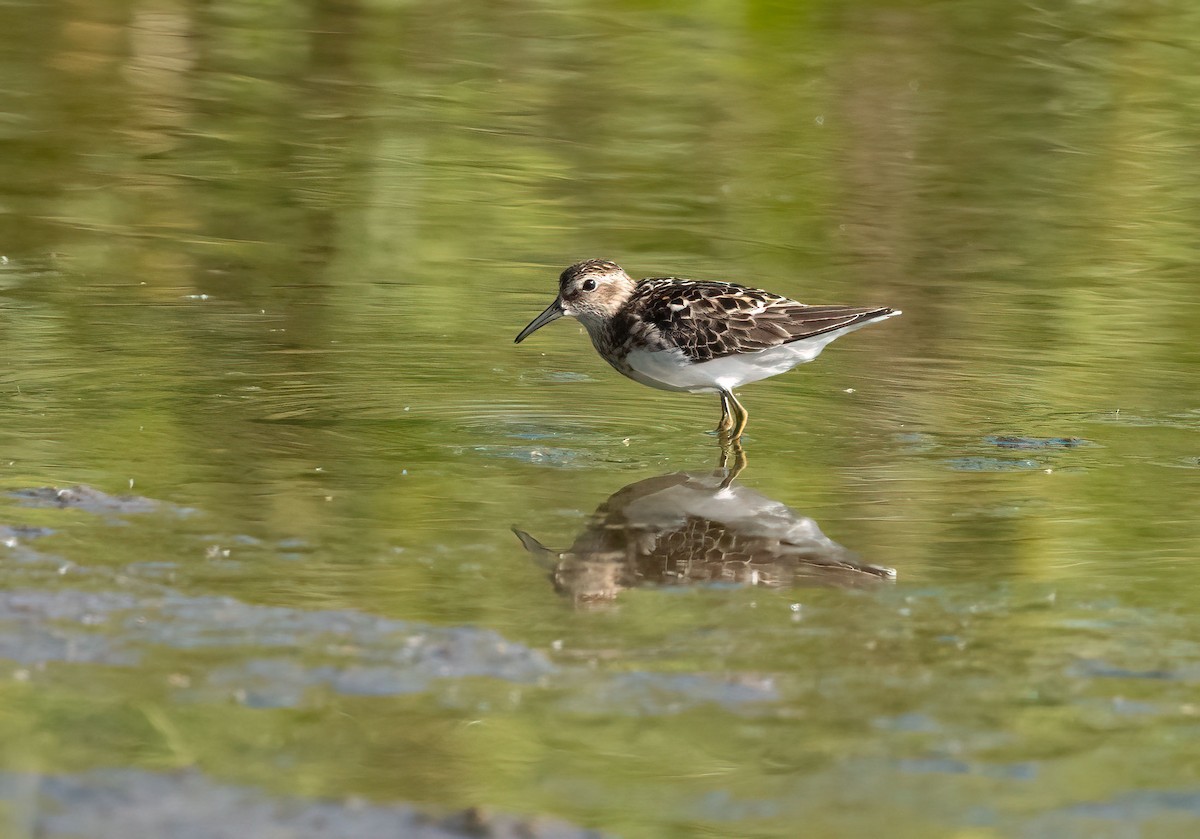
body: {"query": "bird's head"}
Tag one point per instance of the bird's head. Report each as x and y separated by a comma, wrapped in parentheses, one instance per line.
(592, 291)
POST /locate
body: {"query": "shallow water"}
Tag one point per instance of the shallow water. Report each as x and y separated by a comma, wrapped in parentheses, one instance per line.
(260, 271)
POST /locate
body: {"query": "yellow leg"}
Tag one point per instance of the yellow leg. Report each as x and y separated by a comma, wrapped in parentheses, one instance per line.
(741, 416)
(726, 423)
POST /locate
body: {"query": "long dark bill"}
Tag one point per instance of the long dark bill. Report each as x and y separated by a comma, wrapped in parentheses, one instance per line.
(553, 312)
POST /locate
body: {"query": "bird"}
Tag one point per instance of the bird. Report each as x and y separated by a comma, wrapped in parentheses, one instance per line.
(697, 336)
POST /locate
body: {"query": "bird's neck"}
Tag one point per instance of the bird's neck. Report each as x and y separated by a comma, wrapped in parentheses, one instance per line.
(599, 330)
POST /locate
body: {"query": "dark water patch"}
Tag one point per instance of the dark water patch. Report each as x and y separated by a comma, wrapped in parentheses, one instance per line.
(1021, 442)
(992, 464)
(1152, 812)
(360, 652)
(89, 499)
(274, 657)
(1141, 804)
(434, 652)
(35, 646)
(285, 683)
(955, 766)
(80, 607)
(120, 803)
(41, 627)
(912, 722)
(1097, 668)
(12, 535)
(977, 454)
(25, 565)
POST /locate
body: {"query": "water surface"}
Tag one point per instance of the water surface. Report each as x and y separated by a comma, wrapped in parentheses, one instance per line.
(261, 269)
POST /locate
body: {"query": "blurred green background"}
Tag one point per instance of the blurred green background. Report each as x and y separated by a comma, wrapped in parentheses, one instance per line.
(265, 261)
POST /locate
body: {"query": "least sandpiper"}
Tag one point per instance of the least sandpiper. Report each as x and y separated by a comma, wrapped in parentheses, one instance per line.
(696, 336)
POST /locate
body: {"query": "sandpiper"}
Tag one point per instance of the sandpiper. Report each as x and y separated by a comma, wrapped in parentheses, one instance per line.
(696, 336)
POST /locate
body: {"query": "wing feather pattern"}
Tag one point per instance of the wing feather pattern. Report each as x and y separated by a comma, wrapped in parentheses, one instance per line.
(710, 320)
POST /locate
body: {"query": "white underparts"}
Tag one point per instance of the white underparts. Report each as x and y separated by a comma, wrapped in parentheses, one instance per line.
(671, 369)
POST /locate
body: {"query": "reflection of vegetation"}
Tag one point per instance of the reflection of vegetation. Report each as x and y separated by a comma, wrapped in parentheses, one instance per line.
(374, 196)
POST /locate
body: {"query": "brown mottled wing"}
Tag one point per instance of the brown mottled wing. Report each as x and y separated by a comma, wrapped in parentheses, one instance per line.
(710, 320)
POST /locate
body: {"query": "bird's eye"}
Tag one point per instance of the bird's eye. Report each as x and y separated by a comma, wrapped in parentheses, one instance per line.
(589, 285)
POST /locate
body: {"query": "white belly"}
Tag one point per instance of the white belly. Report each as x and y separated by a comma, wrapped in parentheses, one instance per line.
(671, 370)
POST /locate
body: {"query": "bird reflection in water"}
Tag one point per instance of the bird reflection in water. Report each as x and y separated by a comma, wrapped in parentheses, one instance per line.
(688, 528)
